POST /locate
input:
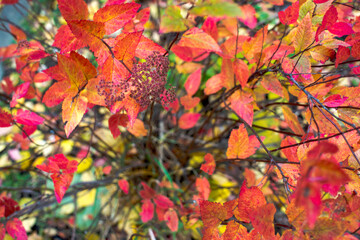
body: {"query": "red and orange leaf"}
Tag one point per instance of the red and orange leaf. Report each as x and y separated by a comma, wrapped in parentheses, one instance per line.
(28, 118)
(147, 47)
(6, 119)
(342, 54)
(203, 187)
(16, 229)
(262, 218)
(214, 84)
(296, 214)
(240, 145)
(73, 9)
(197, 38)
(172, 220)
(138, 129)
(212, 214)
(255, 45)
(249, 15)
(125, 47)
(325, 126)
(241, 71)
(124, 185)
(115, 121)
(90, 33)
(271, 83)
(249, 200)
(209, 165)
(188, 120)
(116, 16)
(56, 94)
(193, 82)
(66, 40)
(147, 210)
(235, 230)
(292, 120)
(72, 112)
(241, 104)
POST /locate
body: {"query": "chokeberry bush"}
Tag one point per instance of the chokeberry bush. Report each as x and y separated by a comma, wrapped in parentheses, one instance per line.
(186, 119)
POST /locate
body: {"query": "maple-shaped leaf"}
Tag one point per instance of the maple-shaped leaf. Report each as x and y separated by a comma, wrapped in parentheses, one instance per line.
(290, 15)
(209, 165)
(250, 199)
(116, 16)
(6, 119)
(240, 145)
(262, 218)
(28, 118)
(212, 214)
(197, 38)
(124, 185)
(62, 171)
(235, 230)
(115, 121)
(188, 120)
(147, 210)
(172, 220)
(16, 229)
(76, 87)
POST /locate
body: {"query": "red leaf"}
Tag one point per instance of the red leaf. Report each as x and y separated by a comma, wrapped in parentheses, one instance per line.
(5, 119)
(16, 229)
(107, 170)
(171, 219)
(124, 185)
(193, 82)
(28, 118)
(188, 120)
(355, 51)
(7, 85)
(147, 210)
(209, 166)
(290, 15)
(8, 206)
(343, 54)
(9, 1)
(321, 1)
(148, 192)
(28, 130)
(341, 28)
(189, 102)
(163, 202)
(263, 220)
(212, 214)
(62, 173)
(147, 47)
(334, 100)
(73, 9)
(125, 47)
(115, 121)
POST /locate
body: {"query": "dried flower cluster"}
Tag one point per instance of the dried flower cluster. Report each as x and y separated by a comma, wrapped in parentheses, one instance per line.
(146, 84)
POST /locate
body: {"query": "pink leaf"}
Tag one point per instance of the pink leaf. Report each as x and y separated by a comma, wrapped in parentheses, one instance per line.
(334, 100)
(163, 202)
(28, 118)
(188, 120)
(290, 15)
(147, 210)
(16, 229)
(20, 92)
(124, 185)
(5, 119)
(171, 219)
(341, 28)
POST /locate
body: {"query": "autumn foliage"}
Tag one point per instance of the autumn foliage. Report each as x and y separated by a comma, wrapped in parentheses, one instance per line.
(181, 119)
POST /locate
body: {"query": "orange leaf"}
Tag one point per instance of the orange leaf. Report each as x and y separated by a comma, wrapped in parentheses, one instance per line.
(209, 165)
(212, 214)
(203, 187)
(262, 218)
(72, 112)
(241, 71)
(235, 230)
(292, 120)
(240, 145)
(304, 35)
(189, 102)
(138, 129)
(197, 38)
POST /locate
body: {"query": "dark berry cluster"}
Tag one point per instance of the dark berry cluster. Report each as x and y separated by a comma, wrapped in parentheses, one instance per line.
(148, 81)
(146, 84)
(112, 91)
